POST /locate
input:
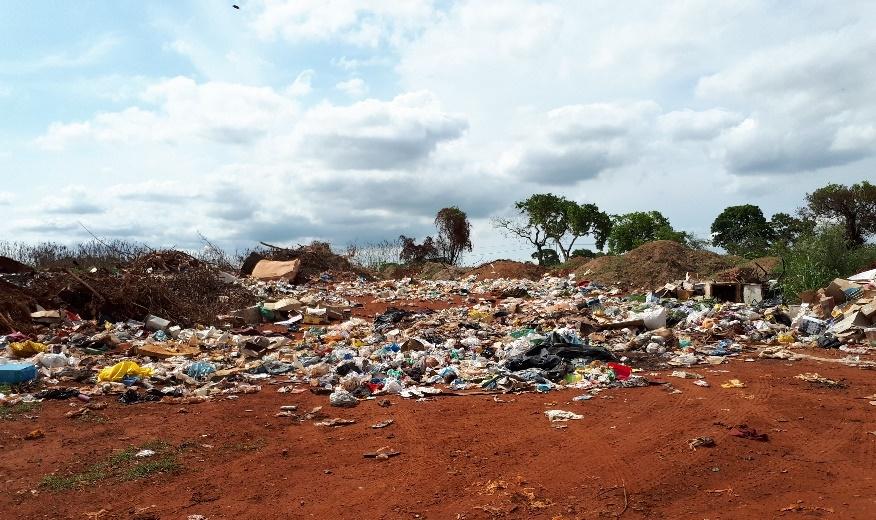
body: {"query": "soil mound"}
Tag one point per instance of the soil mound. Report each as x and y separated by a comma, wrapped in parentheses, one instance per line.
(422, 271)
(651, 265)
(507, 269)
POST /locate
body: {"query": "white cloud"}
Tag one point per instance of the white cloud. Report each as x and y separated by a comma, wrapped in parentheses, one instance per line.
(6, 198)
(578, 142)
(72, 200)
(374, 134)
(302, 84)
(225, 113)
(477, 103)
(354, 87)
(697, 125)
(359, 22)
(810, 101)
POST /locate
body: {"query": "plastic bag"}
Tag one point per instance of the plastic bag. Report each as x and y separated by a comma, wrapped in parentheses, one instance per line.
(654, 318)
(121, 369)
(23, 349)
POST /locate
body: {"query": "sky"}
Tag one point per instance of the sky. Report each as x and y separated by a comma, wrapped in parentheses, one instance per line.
(356, 121)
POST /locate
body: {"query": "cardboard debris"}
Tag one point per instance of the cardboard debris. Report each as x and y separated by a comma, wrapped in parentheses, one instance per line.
(272, 270)
(167, 350)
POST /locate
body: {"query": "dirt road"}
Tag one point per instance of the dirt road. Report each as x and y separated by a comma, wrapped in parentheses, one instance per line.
(473, 457)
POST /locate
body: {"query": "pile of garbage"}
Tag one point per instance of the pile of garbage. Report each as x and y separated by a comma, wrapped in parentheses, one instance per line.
(483, 335)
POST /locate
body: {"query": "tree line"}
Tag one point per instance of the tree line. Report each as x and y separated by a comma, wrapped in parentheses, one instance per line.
(554, 225)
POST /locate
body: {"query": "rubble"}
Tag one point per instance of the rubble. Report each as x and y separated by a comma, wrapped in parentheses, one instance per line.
(483, 335)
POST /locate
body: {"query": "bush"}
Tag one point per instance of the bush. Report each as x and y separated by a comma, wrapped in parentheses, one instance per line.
(816, 259)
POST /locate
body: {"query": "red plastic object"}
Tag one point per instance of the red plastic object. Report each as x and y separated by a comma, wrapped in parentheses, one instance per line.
(621, 371)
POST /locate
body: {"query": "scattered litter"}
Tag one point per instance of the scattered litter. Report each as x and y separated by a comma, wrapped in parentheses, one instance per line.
(701, 442)
(561, 415)
(745, 432)
(733, 383)
(382, 424)
(337, 421)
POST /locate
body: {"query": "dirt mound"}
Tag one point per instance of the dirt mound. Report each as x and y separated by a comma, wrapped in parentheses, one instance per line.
(507, 269)
(422, 271)
(315, 258)
(651, 265)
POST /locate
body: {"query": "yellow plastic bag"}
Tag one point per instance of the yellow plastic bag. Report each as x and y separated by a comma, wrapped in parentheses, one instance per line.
(23, 349)
(121, 369)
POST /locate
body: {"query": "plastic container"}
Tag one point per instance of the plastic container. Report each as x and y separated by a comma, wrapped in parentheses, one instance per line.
(13, 373)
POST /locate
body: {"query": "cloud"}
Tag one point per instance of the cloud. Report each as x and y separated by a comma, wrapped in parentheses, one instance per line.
(810, 103)
(302, 84)
(224, 113)
(73, 200)
(366, 23)
(374, 134)
(691, 125)
(6, 198)
(86, 55)
(355, 87)
(578, 142)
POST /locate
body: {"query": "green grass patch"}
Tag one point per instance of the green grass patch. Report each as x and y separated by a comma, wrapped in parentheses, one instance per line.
(12, 412)
(122, 465)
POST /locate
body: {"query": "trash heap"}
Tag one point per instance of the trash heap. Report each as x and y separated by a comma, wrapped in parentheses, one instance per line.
(492, 335)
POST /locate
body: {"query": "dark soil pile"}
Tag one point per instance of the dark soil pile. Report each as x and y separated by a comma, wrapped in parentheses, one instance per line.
(652, 265)
(507, 269)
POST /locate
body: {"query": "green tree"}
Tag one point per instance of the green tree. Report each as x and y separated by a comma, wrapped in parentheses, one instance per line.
(743, 231)
(547, 257)
(853, 207)
(631, 230)
(454, 233)
(545, 217)
(787, 229)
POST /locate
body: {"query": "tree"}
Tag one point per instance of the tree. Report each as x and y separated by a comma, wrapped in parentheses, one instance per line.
(546, 217)
(631, 230)
(454, 233)
(413, 252)
(854, 207)
(547, 257)
(820, 256)
(743, 231)
(787, 229)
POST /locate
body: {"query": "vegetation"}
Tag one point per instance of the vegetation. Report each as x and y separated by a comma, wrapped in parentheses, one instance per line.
(853, 207)
(743, 231)
(411, 252)
(454, 234)
(631, 230)
(14, 411)
(819, 257)
(123, 465)
(547, 218)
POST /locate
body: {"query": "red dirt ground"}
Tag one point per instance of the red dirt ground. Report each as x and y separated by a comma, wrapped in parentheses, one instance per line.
(477, 457)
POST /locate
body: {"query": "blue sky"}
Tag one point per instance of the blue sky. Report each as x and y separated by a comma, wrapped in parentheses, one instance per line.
(357, 120)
